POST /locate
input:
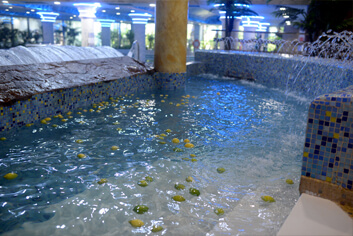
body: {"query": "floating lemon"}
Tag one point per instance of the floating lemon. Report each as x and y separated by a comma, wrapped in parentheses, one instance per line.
(189, 145)
(84, 110)
(178, 198)
(69, 113)
(186, 140)
(2, 138)
(149, 178)
(178, 105)
(179, 186)
(160, 137)
(10, 176)
(119, 129)
(194, 191)
(218, 93)
(168, 131)
(47, 119)
(140, 209)
(114, 148)
(29, 125)
(268, 199)
(192, 155)
(219, 211)
(162, 101)
(56, 116)
(136, 223)
(81, 155)
(102, 181)
(289, 181)
(189, 179)
(177, 150)
(82, 122)
(162, 142)
(60, 116)
(143, 183)
(116, 123)
(64, 120)
(193, 97)
(193, 159)
(54, 125)
(156, 228)
(44, 122)
(91, 110)
(220, 170)
(185, 159)
(171, 103)
(163, 135)
(175, 140)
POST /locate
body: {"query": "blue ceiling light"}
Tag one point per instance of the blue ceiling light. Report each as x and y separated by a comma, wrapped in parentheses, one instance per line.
(140, 18)
(263, 26)
(106, 22)
(87, 10)
(48, 16)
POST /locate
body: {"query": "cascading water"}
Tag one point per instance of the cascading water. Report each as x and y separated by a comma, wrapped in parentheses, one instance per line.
(44, 54)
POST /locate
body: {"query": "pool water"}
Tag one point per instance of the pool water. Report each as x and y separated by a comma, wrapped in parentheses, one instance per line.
(255, 133)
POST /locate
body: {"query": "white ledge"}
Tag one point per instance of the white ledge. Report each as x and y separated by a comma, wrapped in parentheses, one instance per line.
(316, 216)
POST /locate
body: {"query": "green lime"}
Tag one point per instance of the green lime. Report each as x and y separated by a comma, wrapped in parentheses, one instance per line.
(140, 209)
(179, 186)
(220, 170)
(178, 198)
(143, 183)
(194, 191)
(219, 211)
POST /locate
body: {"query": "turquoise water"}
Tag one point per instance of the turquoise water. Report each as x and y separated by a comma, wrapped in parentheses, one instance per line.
(255, 133)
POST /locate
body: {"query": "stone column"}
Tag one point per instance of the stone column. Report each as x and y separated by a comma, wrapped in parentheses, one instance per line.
(171, 32)
(105, 34)
(48, 19)
(87, 14)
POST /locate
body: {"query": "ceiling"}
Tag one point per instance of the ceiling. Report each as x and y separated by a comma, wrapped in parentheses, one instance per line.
(199, 11)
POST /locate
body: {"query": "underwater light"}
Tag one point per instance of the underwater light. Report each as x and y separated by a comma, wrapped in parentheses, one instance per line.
(48, 16)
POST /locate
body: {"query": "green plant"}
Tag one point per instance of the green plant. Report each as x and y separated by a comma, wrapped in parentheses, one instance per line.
(130, 36)
(150, 39)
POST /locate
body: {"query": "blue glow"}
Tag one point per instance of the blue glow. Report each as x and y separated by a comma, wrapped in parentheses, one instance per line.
(236, 4)
(140, 15)
(106, 23)
(96, 4)
(48, 16)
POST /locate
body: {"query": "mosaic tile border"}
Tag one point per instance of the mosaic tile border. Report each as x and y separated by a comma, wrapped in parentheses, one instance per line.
(169, 81)
(309, 77)
(47, 104)
(328, 148)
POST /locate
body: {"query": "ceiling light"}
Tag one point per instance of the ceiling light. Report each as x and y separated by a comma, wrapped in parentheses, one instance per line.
(285, 16)
(10, 7)
(5, 1)
(6, 9)
(103, 11)
(71, 17)
(74, 15)
(27, 12)
(117, 8)
(152, 5)
(132, 11)
(118, 13)
(32, 10)
(282, 8)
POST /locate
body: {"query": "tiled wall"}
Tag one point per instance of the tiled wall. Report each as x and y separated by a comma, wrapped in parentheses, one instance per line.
(169, 80)
(47, 104)
(327, 169)
(309, 77)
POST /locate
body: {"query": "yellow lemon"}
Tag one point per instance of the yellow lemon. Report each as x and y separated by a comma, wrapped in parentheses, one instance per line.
(178, 105)
(179, 186)
(44, 122)
(102, 181)
(60, 116)
(54, 125)
(119, 129)
(219, 211)
(48, 119)
(2, 138)
(162, 142)
(189, 145)
(192, 155)
(29, 125)
(175, 140)
(136, 223)
(156, 228)
(289, 181)
(114, 148)
(143, 183)
(79, 141)
(81, 155)
(186, 140)
(218, 93)
(193, 160)
(178, 198)
(149, 178)
(69, 113)
(162, 101)
(171, 103)
(185, 159)
(268, 199)
(64, 120)
(10, 176)
(189, 179)
(220, 170)
(163, 135)
(79, 113)
(168, 131)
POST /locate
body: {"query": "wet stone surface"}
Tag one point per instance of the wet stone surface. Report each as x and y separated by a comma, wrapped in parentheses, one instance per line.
(22, 81)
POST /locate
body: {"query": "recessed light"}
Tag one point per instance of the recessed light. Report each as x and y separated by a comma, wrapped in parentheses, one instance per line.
(121, 21)
(10, 7)
(5, 1)
(132, 11)
(118, 13)
(57, 3)
(117, 8)
(152, 5)
(71, 17)
(32, 10)
(103, 11)
(27, 12)
(6, 9)
(74, 15)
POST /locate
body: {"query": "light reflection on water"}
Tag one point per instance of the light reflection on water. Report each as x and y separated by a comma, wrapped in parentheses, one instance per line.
(255, 133)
